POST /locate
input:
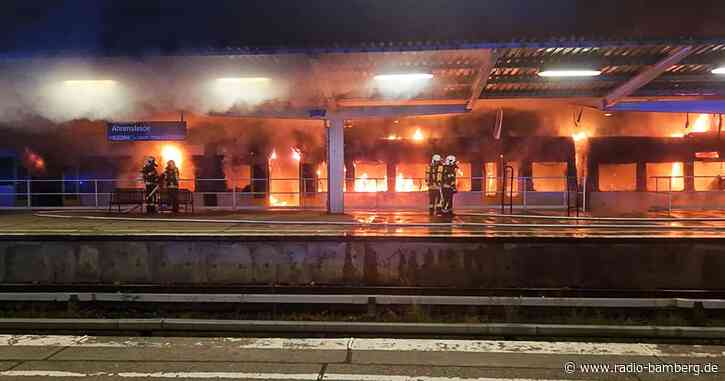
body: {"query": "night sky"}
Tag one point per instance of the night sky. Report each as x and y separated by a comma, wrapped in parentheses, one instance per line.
(130, 27)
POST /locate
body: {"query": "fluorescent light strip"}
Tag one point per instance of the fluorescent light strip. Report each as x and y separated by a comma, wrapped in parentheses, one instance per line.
(720, 70)
(569, 73)
(238, 80)
(403, 77)
(89, 82)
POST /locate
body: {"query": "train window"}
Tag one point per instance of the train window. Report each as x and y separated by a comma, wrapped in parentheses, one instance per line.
(618, 177)
(663, 177)
(370, 177)
(284, 182)
(493, 178)
(239, 176)
(708, 174)
(490, 182)
(549, 176)
(463, 179)
(410, 177)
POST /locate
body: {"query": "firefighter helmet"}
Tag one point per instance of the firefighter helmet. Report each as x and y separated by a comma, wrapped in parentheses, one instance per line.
(149, 160)
(436, 158)
(450, 160)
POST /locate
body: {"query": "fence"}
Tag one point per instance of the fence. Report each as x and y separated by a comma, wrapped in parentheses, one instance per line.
(302, 193)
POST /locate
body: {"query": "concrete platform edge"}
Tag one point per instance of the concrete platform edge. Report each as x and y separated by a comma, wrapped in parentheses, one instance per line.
(313, 328)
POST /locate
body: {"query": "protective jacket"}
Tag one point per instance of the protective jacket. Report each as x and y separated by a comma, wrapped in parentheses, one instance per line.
(171, 177)
(449, 176)
(434, 176)
(149, 174)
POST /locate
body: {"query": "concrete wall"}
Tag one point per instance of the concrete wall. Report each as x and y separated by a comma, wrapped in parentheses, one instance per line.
(621, 264)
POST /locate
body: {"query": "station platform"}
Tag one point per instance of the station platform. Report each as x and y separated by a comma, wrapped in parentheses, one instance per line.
(285, 225)
(25, 357)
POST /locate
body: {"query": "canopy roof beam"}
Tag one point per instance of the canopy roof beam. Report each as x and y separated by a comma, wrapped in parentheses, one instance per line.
(648, 75)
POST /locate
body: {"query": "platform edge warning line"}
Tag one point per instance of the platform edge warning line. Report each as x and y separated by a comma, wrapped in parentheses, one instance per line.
(253, 376)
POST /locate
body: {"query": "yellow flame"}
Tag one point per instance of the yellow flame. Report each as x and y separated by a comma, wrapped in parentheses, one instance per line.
(677, 135)
(365, 184)
(273, 156)
(393, 137)
(403, 184)
(579, 136)
(418, 135)
(296, 154)
(702, 124)
(172, 152)
(677, 181)
(275, 202)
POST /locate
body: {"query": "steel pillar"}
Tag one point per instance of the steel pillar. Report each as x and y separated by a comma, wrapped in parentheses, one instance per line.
(335, 166)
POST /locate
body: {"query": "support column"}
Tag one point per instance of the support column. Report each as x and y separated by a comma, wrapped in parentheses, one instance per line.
(335, 166)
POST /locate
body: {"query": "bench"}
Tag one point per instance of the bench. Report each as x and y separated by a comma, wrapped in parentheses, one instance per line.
(183, 197)
(126, 196)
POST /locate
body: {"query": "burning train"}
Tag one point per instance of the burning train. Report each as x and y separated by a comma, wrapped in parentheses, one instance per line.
(385, 170)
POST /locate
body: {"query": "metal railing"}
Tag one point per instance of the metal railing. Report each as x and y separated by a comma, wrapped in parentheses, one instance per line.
(261, 193)
(688, 184)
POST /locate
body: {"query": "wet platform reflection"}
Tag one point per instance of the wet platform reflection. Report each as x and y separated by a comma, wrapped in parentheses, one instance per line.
(709, 224)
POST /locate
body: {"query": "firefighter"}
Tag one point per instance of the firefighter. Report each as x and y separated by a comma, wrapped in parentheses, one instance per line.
(433, 178)
(151, 183)
(448, 187)
(171, 183)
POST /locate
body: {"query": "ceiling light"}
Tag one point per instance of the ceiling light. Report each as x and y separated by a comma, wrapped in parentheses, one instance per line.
(242, 80)
(403, 77)
(569, 73)
(720, 70)
(90, 82)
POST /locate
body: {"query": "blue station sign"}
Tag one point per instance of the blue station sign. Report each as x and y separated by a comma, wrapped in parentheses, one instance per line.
(146, 131)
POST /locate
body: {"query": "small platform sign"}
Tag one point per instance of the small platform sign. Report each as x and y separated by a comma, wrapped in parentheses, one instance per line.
(146, 131)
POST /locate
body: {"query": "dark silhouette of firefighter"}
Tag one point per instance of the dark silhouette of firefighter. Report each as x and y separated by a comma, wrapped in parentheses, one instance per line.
(448, 188)
(433, 179)
(151, 183)
(171, 183)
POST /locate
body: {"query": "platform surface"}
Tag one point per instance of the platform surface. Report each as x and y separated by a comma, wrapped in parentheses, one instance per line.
(347, 359)
(356, 224)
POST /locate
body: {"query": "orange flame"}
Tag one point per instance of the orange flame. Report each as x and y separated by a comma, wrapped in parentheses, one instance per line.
(34, 161)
